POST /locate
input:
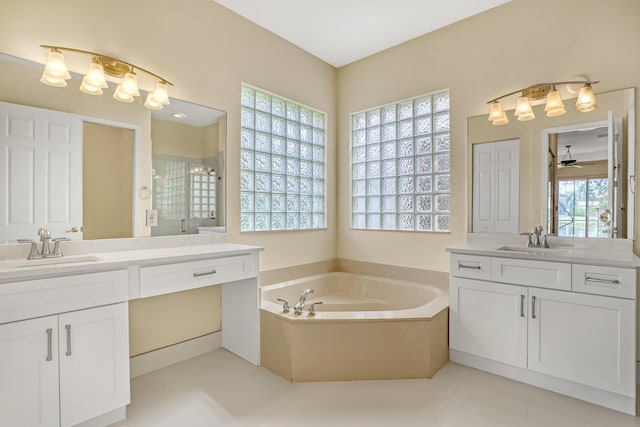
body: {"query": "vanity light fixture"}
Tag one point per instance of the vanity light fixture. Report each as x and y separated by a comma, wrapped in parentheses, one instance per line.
(56, 74)
(554, 107)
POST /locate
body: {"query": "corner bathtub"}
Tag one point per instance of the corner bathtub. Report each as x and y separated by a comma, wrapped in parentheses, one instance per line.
(366, 328)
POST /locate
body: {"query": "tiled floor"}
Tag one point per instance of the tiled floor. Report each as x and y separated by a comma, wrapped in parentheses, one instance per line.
(220, 389)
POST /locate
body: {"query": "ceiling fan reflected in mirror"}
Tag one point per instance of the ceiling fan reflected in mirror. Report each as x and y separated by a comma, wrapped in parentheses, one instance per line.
(569, 162)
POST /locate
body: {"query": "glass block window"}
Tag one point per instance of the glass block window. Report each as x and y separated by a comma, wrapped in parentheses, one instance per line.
(203, 198)
(400, 165)
(282, 164)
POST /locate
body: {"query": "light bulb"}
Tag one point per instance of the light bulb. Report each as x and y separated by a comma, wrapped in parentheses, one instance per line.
(95, 76)
(119, 95)
(89, 89)
(554, 106)
(502, 120)
(55, 70)
(151, 104)
(523, 107)
(496, 111)
(586, 100)
(161, 94)
(129, 84)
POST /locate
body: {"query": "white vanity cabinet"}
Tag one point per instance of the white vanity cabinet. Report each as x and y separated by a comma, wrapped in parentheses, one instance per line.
(489, 320)
(64, 363)
(583, 338)
(533, 321)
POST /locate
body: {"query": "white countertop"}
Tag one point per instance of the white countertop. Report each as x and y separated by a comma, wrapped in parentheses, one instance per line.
(605, 252)
(21, 269)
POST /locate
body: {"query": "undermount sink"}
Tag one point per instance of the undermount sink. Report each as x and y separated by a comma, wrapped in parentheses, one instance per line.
(534, 251)
(46, 261)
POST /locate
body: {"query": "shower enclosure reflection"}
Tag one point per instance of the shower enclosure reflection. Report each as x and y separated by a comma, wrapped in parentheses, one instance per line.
(188, 143)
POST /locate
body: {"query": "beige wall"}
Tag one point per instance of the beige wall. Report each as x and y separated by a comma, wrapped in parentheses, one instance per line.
(107, 181)
(177, 139)
(164, 320)
(512, 46)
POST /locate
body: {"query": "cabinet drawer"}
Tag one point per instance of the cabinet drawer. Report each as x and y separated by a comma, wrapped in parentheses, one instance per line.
(471, 266)
(610, 281)
(42, 297)
(541, 274)
(164, 279)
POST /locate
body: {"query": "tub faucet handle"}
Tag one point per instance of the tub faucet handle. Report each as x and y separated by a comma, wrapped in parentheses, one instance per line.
(285, 304)
(312, 308)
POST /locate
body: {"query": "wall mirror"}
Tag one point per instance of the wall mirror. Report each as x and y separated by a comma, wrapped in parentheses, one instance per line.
(576, 171)
(114, 187)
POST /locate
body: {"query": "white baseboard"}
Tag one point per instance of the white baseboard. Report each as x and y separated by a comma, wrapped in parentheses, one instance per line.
(167, 356)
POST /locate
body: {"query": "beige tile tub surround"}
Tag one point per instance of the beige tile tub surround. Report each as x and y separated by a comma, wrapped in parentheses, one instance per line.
(278, 275)
(327, 350)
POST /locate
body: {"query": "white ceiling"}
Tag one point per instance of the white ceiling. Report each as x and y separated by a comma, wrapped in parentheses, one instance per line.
(190, 114)
(343, 31)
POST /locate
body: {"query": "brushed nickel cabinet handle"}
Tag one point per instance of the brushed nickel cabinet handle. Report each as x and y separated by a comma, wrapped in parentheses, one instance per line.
(522, 298)
(596, 280)
(68, 328)
(204, 274)
(533, 307)
(471, 267)
(49, 338)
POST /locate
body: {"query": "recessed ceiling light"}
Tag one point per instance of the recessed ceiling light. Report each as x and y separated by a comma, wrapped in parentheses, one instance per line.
(179, 115)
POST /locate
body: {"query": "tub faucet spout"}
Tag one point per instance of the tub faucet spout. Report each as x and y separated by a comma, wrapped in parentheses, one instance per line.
(299, 306)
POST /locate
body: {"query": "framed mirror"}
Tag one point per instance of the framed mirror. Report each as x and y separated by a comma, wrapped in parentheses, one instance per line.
(594, 197)
(103, 187)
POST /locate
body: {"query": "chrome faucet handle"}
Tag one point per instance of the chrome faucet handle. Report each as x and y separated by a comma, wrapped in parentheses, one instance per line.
(544, 243)
(312, 308)
(285, 305)
(56, 247)
(536, 236)
(529, 243)
(33, 252)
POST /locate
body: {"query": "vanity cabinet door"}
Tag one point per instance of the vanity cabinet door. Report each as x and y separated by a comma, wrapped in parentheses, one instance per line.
(586, 339)
(94, 362)
(489, 320)
(29, 373)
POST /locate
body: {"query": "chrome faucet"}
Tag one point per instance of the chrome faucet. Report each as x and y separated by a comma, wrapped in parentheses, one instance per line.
(45, 250)
(536, 239)
(299, 306)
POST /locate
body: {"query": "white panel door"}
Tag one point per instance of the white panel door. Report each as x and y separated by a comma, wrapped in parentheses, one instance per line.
(496, 187)
(489, 320)
(483, 185)
(40, 172)
(587, 339)
(94, 362)
(507, 186)
(615, 174)
(29, 373)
